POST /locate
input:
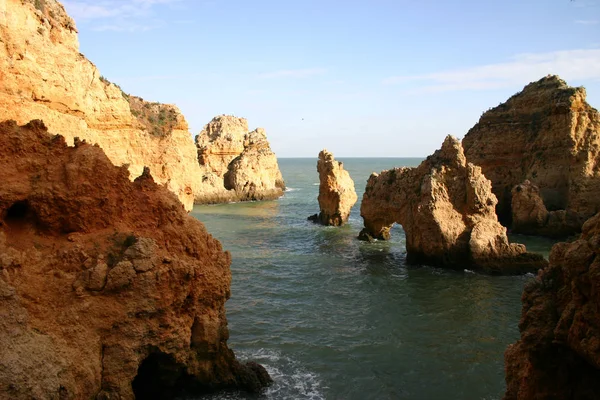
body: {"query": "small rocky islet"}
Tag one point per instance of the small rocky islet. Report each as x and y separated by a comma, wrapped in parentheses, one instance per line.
(337, 195)
(109, 289)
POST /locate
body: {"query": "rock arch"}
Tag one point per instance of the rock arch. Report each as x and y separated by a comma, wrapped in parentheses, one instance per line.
(447, 209)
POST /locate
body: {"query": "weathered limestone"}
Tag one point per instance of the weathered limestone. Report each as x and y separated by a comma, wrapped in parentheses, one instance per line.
(558, 354)
(530, 216)
(236, 165)
(549, 135)
(336, 191)
(45, 77)
(221, 140)
(446, 208)
(108, 289)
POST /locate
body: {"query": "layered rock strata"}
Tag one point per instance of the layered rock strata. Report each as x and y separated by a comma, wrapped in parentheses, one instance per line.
(108, 289)
(236, 165)
(558, 354)
(547, 134)
(45, 77)
(447, 209)
(336, 191)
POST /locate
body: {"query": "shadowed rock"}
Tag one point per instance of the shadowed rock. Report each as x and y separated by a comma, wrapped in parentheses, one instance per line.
(558, 353)
(530, 216)
(108, 289)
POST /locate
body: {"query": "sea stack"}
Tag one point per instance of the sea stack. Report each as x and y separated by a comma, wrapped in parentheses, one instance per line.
(44, 76)
(236, 165)
(108, 288)
(447, 209)
(550, 136)
(558, 354)
(336, 191)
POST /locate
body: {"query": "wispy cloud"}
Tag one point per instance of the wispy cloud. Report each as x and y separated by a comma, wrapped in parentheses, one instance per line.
(570, 64)
(584, 4)
(129, 27)
(117, 15)
(586, 21)
(293, 73)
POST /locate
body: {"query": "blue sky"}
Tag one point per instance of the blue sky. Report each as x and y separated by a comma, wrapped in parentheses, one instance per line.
(376, 78)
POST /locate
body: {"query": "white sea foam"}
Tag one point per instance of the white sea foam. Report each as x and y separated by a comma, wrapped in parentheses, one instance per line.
(290, 189)
(291, 378)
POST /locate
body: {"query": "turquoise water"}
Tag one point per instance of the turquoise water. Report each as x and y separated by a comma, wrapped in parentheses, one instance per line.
(331, 317)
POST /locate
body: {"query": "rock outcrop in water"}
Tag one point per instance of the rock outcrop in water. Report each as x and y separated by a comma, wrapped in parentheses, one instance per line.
(108, 289)
(547, 134)
(45, 77)
(236, 165)
(446, 208)
(558, 354)
(336, 191)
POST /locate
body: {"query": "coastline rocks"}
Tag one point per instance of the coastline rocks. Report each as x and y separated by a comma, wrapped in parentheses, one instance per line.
(530, 216)
(46, 77)
(446, 208)
(220, 141)
(558, 353)
(336, 191)
(108, 289)
(549, 135)
(236, 165)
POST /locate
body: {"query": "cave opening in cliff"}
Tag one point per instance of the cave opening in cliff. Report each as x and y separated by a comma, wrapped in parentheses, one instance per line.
(160, 376)
(19, 214)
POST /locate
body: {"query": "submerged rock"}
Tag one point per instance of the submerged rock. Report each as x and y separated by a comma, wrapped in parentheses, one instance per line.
(237, 165)
(108, 289)
(336, 191)
(558, 354)
(549, 135)
(446, 208)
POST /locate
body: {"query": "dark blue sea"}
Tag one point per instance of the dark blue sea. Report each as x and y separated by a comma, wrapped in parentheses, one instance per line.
(331, 317)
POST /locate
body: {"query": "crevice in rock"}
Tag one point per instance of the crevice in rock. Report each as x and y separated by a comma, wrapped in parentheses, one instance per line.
(19, 215)
(160, 376)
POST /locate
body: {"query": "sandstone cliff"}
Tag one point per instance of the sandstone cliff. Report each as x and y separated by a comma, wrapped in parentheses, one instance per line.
(236, 165)
(336, 191)
(446, 208)
(547, 134)
(43, 76)
(108, 289)
(558, 354)
(530, 215)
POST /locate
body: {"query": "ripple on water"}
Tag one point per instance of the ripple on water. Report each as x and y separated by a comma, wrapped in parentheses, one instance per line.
(333, 317)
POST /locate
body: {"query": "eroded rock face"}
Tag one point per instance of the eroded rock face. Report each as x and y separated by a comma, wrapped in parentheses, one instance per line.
(221, 140)
(336, 191)
(530, 216)
(547, 134)
(236, 165)
(558, 354)
(446, 207)
(108, 289)
(45, 77)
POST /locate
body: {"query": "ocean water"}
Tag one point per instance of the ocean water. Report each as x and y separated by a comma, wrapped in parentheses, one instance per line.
(331, 317)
